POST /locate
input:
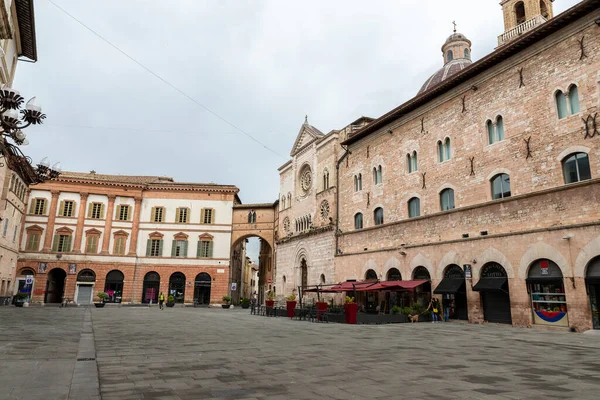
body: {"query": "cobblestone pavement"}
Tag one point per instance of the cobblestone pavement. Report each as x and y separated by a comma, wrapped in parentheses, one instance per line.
(145, 353)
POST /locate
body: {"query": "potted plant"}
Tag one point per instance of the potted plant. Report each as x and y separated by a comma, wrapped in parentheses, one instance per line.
(350, 310)
(245, 303)
(227, 301)
(20, 299)
(103, 297)
(270, 302)
(171, 301)
(322, 308)
(291, 305)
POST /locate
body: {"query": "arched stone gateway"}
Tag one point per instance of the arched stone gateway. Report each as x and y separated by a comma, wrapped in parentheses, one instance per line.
(493, 288)
(55, 286)
(252, 220)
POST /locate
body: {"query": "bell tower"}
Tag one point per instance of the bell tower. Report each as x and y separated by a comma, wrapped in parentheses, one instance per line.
(521, 16)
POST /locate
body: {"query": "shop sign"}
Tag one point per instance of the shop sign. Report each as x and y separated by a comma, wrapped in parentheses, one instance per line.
(467, 268)
(29, 279)
(544, 270)
(454, 272)
(220, 271)
(233, 286)
(493, 270)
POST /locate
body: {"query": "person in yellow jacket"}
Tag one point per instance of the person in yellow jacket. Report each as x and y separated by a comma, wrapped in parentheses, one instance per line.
(161, 300)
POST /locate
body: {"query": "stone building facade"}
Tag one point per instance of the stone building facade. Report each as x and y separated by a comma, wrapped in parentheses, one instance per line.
(307, 209)
(491, 172)
(17, 39)
(130, 236)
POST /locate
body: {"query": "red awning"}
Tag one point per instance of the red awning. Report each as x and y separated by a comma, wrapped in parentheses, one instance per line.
(372, 286)
(394, 286)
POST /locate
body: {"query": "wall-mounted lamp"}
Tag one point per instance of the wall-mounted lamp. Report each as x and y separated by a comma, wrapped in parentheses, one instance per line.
(474, 261)
(465, 235)
(568, 237)
(483, 233)
(402, 253)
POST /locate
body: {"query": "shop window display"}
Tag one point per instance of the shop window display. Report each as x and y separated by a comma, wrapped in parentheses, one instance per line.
(547, 294)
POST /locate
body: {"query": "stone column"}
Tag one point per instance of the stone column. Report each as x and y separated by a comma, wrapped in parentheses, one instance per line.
(108, 223)
(80, 221)
(135, 226)
(51, 219)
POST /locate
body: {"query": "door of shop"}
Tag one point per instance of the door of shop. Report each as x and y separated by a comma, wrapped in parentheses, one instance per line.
(592, 280)
(84, 294)
(454, 291)
(493, 287)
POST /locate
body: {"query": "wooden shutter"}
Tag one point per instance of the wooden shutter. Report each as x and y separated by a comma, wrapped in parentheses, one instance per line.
(55, 243)
(148, 247)
(160, 248)
(32, 206)
(61, 211)
(202, 215)
(184, 249)
(212, 217)
(210, 249)
(73, 209)
(198, 248)
(102, 211)
(128, 213)
(45, 208)
(153, 214)
(67, 244)
(36, 242)
(174, 248)
(178, 215)
(118, 215)
(90, 208)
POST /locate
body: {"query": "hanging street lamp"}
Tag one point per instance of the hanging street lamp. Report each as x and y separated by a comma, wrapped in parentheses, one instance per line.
(13, 120)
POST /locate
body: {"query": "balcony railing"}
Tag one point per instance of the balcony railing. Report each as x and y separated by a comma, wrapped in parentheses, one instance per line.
(520, 29)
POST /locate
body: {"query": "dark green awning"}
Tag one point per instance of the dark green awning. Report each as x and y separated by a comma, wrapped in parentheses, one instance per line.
(490, 285)
(450, 286)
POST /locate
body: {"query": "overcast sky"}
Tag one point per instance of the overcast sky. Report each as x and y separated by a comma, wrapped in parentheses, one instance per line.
(260, 65)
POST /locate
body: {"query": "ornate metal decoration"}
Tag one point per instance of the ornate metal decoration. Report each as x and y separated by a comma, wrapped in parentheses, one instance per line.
(423, 125)
(347, 158)
(590, 126)
(582, 48)
(472, 160)
(368, 198)
(464, 106)
(521, 83)
(527, 147)
(423, 176)
(324, 210)
(368, 151)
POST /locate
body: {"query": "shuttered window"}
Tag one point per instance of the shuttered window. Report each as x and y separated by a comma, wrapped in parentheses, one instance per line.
(154, 248)
(157, 214)
(62, 243)
(208, 216)
(91, 244)
(119, 247)
(33, 242)
(96, 211)
(123, 212)
(38, 207)
(205, 249)
(67, 208)
(181, 215)
(179, 248)
(5, 229)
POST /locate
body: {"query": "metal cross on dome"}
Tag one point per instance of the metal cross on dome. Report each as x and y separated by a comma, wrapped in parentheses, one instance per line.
(454, 23)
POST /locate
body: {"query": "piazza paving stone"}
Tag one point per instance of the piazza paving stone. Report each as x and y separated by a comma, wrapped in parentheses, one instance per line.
(186, 353)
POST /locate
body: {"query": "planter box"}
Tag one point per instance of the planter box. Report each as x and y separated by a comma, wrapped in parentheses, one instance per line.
(225, 305)
(270, 303)
(350, 310)
(245, 306)
(291, 306)
(170, 304)
(321, 309)
(99, 305)
(18, 304)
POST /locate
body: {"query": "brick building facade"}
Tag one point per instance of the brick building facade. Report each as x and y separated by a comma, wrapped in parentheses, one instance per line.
(491, 172)
(130, 236)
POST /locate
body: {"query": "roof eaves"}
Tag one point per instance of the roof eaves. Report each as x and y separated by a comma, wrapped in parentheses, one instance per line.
(26, 21)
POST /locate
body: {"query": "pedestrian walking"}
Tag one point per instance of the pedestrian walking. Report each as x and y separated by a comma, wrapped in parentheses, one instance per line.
(161, 300)
(447, 310)
(253, 304)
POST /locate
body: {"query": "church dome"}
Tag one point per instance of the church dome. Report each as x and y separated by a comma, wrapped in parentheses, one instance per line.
(451, 68)
(456, 52)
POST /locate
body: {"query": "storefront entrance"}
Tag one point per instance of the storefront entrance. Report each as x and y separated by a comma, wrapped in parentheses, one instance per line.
(151, 288)
(113, 286)
(592, 281)
(453, 289)
(55, 286)
(202, 288)
(493, 288)
(85, 287)
(177, 286)
(25, 283)
(547, 294)
(423, 292)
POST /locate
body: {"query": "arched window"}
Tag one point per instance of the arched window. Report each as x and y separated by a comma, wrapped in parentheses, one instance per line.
(359, 181)
(378, 216)
(414, 207)
(561, 104)
(355, 183)
(576, 168)
(326, 180)
(304, 273)
(449, 56)
(495, 130)
(377, 175)
(491, 133)
(574, 99)
(520, 12)
(289, 199)
(283, 203)
(358, 221)
(500, 186)
(322, 278)
(467, 54)
(444, 152)
(371, 275)
(544, 9)
(411, 162)
(499, 128)
(447, 199)
(394, 275)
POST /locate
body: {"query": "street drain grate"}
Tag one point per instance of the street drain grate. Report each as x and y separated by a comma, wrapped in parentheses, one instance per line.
(87, 359)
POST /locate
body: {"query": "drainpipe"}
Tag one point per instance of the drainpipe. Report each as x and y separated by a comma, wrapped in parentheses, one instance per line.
(337, 197)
